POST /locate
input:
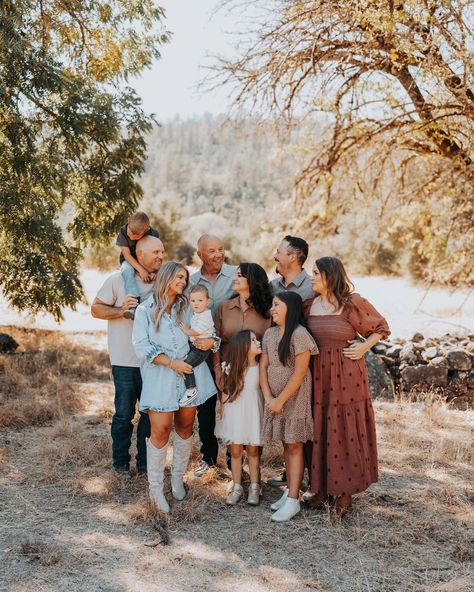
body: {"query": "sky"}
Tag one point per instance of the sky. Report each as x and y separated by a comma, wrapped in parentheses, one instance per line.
(169, 88)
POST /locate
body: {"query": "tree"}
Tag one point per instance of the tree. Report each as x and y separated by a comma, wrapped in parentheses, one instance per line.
(72, 137)
(391, 83)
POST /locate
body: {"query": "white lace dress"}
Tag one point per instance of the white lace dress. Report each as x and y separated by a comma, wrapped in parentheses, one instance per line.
(242, 419)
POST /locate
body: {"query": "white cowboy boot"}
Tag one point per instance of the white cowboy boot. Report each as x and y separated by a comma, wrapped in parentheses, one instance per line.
(181, 453)
(280, 501)
(290, 508)
(156, 461)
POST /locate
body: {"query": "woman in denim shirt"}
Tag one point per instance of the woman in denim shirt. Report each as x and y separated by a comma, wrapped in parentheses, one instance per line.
(160, 346)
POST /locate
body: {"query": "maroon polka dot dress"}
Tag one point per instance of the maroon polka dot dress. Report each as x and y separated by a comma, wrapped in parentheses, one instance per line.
(344, 458)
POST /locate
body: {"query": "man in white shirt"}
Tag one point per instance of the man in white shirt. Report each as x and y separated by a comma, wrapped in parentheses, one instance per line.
(110, 305)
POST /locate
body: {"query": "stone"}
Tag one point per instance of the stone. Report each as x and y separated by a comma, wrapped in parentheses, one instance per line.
(439, 362)
(430, 353)
(421, 377)
(470, 347)
(379, 348)
(394, 351)
(380, 380)
(458, 359)
(417, 337)
(457, 384)
(470, 380)
(408, 355)
(395, 372)
(389, 361)
(7, 343)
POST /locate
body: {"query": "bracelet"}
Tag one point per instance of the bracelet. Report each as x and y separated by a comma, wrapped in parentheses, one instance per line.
(171, 363)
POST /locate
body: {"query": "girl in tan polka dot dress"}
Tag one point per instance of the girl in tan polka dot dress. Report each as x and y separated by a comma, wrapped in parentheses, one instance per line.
(285, 381)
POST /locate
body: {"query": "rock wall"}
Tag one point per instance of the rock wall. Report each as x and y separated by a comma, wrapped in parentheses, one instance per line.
(444, 364)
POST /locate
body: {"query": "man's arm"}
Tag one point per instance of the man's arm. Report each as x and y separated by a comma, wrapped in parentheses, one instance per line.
(109, 312)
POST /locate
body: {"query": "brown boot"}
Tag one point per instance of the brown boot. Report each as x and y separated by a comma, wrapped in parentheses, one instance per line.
(317, 502)
(343, 505)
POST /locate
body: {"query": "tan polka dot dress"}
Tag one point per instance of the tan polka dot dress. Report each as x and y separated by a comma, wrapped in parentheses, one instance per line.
(295, 422)
(344, 458)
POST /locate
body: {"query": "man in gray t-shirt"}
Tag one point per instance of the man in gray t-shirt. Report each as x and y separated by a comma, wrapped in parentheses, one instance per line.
(290, 257)
(110, 304)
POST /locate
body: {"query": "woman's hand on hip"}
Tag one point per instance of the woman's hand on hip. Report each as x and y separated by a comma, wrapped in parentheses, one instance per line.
(205, 343)
(356, 350)
(181, 367)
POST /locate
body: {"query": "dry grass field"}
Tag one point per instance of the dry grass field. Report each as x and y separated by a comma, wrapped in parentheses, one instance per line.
(68, 523)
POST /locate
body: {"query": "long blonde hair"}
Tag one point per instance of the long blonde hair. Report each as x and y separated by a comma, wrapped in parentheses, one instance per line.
(164, 278)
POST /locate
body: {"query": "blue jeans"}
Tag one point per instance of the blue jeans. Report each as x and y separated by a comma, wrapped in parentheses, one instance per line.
(128, 276)
(128, 386)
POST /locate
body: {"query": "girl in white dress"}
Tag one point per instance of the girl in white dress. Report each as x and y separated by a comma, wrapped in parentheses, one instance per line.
(242, 413)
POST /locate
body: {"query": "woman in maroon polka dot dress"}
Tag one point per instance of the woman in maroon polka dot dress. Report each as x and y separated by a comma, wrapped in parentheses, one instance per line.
(344, 457)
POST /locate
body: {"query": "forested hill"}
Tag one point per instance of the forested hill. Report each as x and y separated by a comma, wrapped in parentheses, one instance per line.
(236, 180)
(209, 175)
(216, 176)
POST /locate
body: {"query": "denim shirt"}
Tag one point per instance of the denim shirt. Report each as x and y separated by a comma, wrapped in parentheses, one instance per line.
(163, 387)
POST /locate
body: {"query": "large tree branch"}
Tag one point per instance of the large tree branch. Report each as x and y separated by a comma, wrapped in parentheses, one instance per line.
(447, 146)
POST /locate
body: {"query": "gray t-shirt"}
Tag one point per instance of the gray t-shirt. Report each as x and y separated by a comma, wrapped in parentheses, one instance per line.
(301, 284)
(119, 331)
(123, 240)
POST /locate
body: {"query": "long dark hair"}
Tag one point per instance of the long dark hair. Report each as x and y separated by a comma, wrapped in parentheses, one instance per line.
(237, 361)
(338, 283)
(294, 317)
(259, 287)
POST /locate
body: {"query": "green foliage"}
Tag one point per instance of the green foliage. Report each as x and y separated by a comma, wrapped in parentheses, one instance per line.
(71, 142)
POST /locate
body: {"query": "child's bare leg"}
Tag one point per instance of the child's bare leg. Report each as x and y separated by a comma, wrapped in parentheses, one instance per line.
(294, 467)
(236, 451)
(253, 456)
(286, 459)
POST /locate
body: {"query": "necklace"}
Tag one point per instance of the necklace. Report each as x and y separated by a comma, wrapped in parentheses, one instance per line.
(325, 307)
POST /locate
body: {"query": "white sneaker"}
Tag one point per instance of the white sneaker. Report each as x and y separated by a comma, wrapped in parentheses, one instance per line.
(234, 496)
(278, 504)
(189, 396)
(254, 494)
(289, 509)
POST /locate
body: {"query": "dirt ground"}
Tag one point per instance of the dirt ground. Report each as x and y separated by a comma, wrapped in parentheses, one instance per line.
(68, 523)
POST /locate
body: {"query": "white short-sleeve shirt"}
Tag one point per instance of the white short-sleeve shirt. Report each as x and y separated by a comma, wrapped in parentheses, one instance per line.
(202, 322)
(119, 331)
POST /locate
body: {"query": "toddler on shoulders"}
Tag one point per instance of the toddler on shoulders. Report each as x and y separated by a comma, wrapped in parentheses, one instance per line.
(138, 226)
